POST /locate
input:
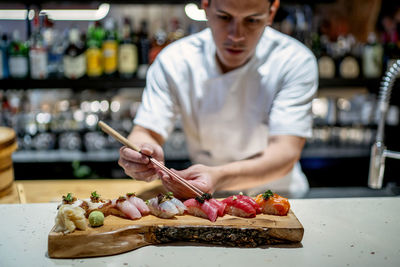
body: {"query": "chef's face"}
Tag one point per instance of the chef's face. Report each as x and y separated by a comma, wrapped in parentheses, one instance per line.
(237, 26)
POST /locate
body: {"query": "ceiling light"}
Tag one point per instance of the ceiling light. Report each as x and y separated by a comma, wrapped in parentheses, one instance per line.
(194, 13)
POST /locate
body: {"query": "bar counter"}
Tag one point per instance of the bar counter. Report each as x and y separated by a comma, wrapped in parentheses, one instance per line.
(338, 232)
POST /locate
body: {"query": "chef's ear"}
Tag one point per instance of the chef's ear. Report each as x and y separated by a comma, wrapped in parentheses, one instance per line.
(272, 11)
(205, 4)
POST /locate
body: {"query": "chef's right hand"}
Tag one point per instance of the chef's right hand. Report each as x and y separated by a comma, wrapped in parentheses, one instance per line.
(139, 166)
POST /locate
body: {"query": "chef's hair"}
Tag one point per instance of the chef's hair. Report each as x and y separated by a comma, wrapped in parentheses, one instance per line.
(209, 1)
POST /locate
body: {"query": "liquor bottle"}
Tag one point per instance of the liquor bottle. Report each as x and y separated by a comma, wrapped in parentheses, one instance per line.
(110, 48)
(326, 64)
(175, 31)
(94, 55)
(4, 72)
(18, 57)
(37, 52)
(127, 52)
(372, 57)
(349, 67)
(74, 57)
(158, 43)
(144, 49)
(55, 42)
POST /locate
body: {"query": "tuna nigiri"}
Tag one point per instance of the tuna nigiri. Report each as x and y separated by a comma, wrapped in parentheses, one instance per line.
(202, 207)
(238, 207)
(139, 203)
(251, 201)
(273, 204)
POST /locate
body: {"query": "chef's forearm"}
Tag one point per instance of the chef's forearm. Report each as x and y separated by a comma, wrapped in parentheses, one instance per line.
(275, 162)
(140, 135)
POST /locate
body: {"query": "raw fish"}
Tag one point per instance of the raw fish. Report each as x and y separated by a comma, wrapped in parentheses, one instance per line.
(273, 204)
(240, 208)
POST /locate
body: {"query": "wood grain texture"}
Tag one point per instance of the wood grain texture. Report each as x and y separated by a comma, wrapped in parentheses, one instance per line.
(119, 235)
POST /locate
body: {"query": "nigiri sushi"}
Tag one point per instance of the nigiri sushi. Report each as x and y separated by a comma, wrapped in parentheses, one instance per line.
(202, 207)
(162, 207)
(178, 204)
(219, 204)
(251, 201)
(238, 207)
(273, 204)
(128, 208)
(139, 203)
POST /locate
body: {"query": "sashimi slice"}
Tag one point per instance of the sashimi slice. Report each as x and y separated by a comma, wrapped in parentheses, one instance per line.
(220, 206)
(128, 208)
(139, 203)
(240, 208)
(251, 201)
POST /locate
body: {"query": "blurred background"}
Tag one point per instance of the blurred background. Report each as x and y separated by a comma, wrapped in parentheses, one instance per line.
(90, 60)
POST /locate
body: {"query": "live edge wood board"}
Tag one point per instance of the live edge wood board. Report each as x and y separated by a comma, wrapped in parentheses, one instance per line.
(119, 235)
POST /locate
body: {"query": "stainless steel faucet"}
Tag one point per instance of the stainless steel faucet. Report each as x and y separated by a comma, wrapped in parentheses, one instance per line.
(378, 151)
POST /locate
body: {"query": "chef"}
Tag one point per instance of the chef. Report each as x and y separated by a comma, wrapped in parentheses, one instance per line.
(242, 91)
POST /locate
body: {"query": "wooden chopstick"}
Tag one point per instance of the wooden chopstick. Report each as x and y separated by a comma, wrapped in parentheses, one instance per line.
(107, 129)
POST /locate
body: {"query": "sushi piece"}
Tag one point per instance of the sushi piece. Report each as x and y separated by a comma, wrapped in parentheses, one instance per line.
(162, 207)
(128, 208)
(251, 201)
(95, 203)
(139, 203)
(238, 207)
(178, 204)
(202, 207)
(273, 204)
(219, 204)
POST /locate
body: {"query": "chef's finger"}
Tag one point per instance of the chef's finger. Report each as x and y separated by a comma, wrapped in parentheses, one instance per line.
(147, 149)
(134, 167)
(143, 176)
(131, 155)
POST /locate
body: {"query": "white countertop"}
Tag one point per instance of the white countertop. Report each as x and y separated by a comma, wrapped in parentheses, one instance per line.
(338, 232)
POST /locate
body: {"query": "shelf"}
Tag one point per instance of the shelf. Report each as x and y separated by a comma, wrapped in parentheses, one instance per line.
(339, 82)
(143, 2)
(103, 83)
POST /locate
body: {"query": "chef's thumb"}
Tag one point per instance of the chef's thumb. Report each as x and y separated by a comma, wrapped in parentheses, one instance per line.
(147, 150)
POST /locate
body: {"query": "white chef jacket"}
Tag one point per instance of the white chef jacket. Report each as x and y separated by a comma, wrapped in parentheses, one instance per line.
(228, 116)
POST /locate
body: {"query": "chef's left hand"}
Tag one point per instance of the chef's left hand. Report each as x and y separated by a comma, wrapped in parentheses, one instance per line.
(200, 176)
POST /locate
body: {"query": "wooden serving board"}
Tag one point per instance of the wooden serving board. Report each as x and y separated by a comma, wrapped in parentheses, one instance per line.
(119, 235)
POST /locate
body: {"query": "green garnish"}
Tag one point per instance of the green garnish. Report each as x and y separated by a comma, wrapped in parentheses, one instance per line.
(234, 197)
(121, 199)
(241, 193)
(130, 194)
(95, 197)
(267, 194)
(69, 198)
(147, 202)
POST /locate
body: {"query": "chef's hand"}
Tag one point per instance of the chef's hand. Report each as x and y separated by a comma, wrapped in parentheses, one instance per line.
(201, 176)
(139, 166)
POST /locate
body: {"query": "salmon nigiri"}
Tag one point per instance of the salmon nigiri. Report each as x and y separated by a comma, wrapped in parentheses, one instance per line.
(273, 204)
(239, 207)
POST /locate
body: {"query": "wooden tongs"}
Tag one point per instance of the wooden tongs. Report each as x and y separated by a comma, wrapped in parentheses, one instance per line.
(107, 129)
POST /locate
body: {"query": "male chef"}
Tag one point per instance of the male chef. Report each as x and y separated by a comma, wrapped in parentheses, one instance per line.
(243, 93)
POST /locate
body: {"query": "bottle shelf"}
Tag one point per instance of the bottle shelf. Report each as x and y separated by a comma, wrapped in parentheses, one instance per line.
(105, 83)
